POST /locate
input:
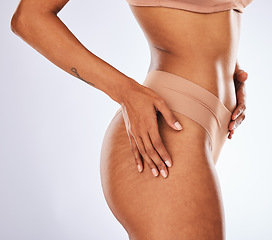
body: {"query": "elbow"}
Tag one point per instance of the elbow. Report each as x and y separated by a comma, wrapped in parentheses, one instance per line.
(16, 23)
(13, 23)
(21, 22)
(27, 15)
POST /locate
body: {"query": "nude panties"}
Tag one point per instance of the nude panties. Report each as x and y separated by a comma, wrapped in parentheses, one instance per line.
(195, 102)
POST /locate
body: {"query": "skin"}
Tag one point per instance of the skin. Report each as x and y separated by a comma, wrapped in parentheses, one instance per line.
(188, 201)
(37, 23)
(187, 204)
(161, 53)
(238, 115)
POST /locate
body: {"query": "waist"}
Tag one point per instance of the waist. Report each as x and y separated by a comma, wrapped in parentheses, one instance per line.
(214, 75)
(199, 47)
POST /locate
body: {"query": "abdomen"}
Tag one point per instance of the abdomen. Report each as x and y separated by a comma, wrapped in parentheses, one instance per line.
(197, 46)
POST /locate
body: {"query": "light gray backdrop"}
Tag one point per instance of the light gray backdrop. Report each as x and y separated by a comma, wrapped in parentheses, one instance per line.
(52, 126)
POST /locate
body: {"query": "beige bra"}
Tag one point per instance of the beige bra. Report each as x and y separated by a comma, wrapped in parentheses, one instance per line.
(202, 6)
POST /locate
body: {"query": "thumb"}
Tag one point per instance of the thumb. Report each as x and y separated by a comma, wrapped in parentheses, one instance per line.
(241, 75)
(169, 116)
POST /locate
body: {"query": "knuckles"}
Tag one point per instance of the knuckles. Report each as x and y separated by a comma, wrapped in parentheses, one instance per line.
(160, 102)
(243, 107)
(151, 152)
(142, 152)
(158, 145)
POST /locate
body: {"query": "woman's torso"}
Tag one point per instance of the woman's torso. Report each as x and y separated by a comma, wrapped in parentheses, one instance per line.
(200, 47)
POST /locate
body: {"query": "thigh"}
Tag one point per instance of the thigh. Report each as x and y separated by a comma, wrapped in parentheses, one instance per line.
(185, 205)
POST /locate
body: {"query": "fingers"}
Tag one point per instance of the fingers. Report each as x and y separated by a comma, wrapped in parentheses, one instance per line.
(168, 115)
(143, 132)
(152, 149)
(238, 111)
(136, 153)
(154, 156)
(241, 75)
(158, 145)
(234, 124)
(146, 142)
(231, 132)
(237, 117)
(145, 153)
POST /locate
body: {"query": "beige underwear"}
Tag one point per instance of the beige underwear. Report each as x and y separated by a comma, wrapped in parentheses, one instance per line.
(195, 102)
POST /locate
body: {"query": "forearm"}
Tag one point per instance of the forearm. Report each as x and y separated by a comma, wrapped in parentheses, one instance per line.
(46, 33)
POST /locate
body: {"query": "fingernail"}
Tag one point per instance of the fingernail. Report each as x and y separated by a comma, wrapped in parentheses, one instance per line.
(168, 163)
(163, 173)
(139, 168)
(154, 171)
(178, 126)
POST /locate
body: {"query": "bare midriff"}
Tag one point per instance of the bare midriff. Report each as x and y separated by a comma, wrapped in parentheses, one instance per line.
(201, 47)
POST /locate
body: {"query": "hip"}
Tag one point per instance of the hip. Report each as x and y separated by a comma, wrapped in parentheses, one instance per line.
(191, 101)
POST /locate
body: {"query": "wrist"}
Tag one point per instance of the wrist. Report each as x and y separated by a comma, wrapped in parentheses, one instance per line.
(122, 90)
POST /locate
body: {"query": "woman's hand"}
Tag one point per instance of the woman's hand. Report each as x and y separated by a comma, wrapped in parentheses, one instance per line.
(140, 106)
(238, 115)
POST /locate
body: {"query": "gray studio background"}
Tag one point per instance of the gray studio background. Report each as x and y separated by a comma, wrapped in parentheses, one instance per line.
(52, 127)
